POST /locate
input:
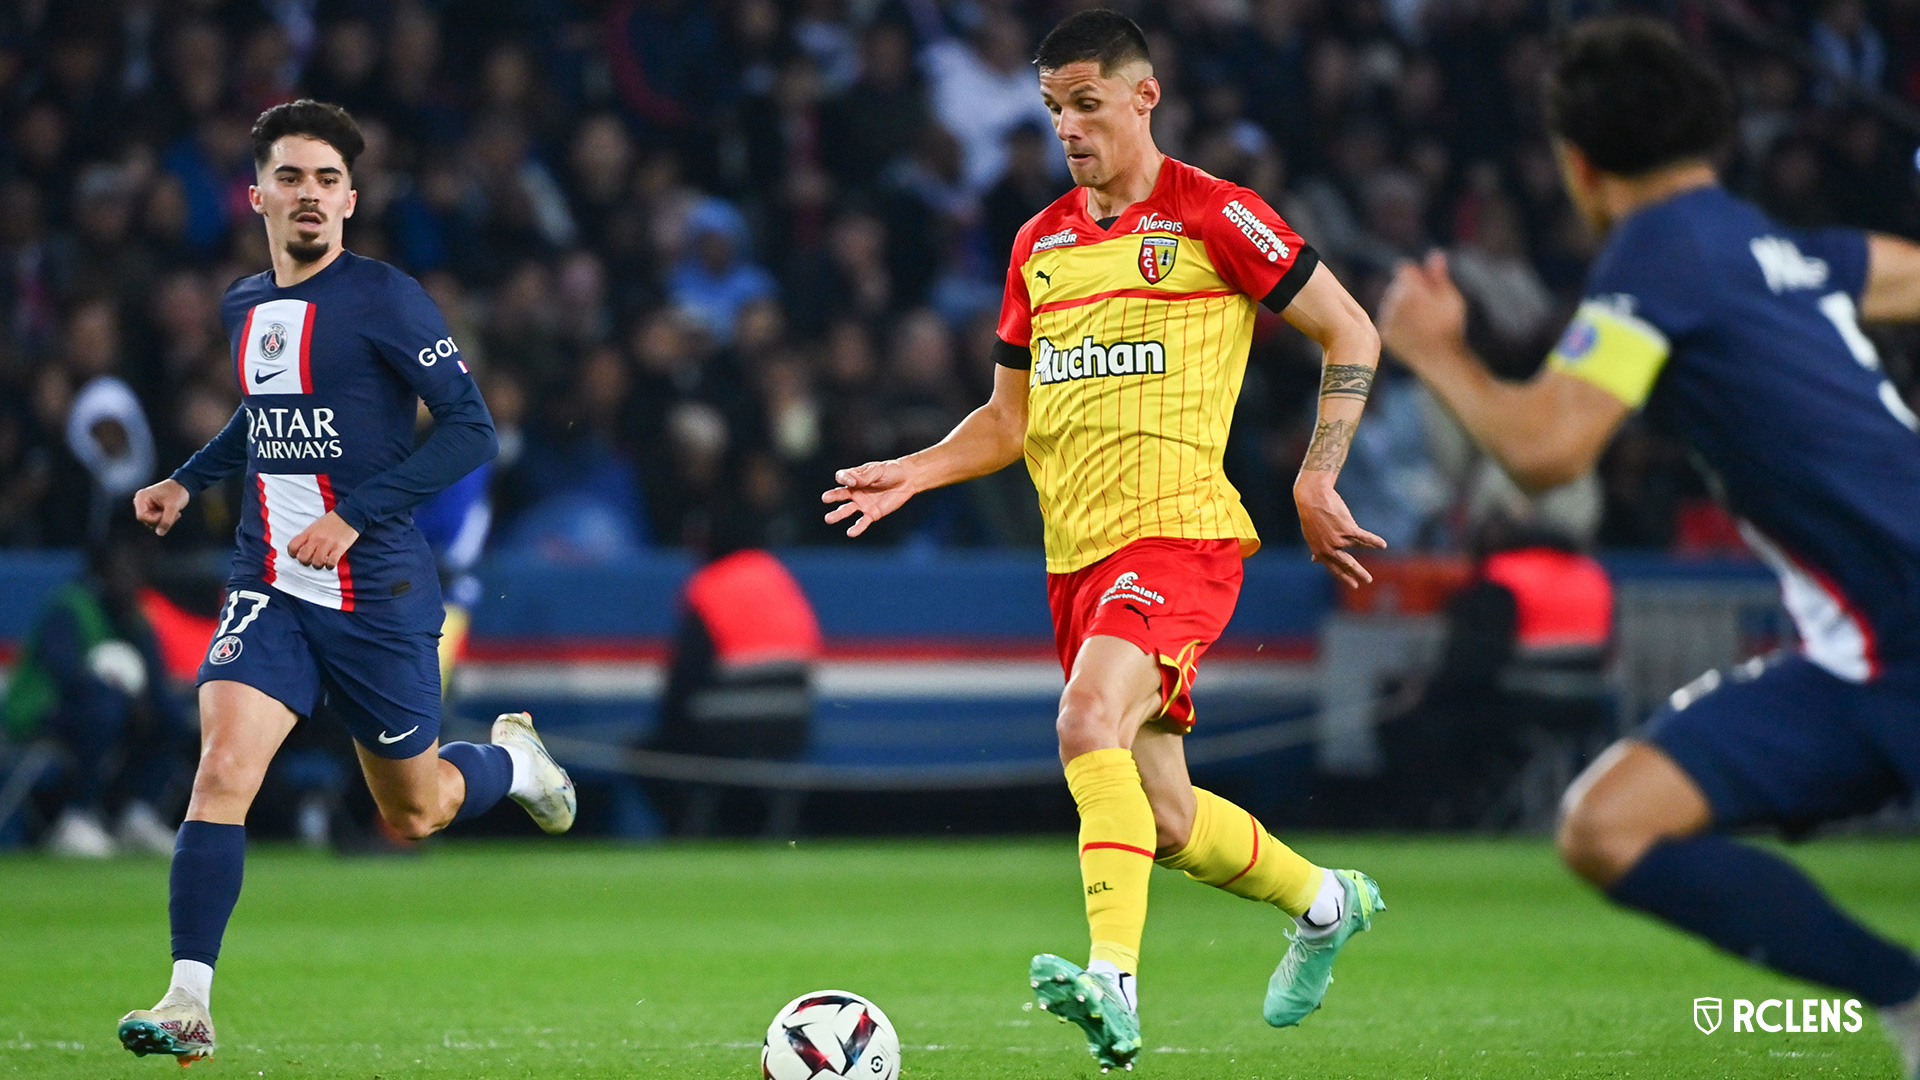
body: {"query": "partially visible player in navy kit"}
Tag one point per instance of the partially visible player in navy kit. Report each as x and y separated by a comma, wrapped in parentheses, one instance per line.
(334, 594)
(1739, 336)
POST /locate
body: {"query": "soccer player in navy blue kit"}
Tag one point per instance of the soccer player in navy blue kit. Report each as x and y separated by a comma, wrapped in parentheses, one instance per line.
(334, 594)
(1740, 337)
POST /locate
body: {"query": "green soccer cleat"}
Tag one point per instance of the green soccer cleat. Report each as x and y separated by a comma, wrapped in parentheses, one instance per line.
(179, 1026)
(1301, 980)
(553, 806)
(1094, 1002)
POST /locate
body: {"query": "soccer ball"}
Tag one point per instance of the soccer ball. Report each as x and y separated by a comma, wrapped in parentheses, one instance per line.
(830, 1033)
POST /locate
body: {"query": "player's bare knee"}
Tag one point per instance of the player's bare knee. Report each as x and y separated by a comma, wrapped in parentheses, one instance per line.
(1599, 840)
(1087, 722)
(1579, 846)
(225, 777)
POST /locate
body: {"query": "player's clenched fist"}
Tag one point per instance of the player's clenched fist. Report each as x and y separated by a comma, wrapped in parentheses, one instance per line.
(159, 505)
(324, 543)
(1423, 311)
(873, 490)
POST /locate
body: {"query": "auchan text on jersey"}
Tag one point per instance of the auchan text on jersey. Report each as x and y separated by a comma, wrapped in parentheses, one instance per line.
(1090, 359)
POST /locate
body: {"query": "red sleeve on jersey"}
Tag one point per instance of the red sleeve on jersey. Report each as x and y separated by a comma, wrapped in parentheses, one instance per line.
(1016, 308)
(1249, 244)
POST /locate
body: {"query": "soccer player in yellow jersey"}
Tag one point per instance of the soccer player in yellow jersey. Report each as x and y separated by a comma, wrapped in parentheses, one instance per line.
(1123, 340)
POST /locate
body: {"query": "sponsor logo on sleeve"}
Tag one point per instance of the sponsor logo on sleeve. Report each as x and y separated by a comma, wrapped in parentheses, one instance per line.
(1264, 239)
(437, 351)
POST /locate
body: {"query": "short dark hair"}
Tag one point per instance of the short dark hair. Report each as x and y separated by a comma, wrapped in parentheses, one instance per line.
(331, 124)
(1633, 98)
(1096, 34)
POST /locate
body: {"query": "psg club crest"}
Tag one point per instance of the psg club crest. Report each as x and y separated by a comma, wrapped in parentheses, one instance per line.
(274, 341)
(1706, 1015)
(224, 650)
(1156, 257)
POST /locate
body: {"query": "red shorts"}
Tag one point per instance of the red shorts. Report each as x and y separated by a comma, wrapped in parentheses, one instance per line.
(1170, 597)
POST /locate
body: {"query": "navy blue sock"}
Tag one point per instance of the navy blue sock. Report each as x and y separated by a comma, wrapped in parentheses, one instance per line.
(489, 773)
(1759, 906)
(203, 886)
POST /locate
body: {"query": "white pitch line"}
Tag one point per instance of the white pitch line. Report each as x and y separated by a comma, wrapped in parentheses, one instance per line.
(866, 680)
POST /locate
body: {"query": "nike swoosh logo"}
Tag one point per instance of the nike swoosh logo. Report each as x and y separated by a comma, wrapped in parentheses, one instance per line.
(389, 740)
(262, 376)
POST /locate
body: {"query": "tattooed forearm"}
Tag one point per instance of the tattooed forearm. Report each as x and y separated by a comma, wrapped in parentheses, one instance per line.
(1328, 450)
(1346, 380)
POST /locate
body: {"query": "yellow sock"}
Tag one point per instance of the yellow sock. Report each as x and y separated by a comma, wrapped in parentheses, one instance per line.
(1229, 849)
(1116, 851)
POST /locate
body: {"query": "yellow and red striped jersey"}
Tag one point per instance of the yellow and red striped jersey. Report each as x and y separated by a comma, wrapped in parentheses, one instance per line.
(1137, 335)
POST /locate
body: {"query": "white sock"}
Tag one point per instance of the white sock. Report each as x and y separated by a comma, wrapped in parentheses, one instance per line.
(523, 785)
(1128, 983)
(1329, 906)
(193, 979)
(1902, 1025)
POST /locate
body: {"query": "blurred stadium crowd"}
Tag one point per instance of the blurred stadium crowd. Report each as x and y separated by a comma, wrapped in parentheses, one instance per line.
(701, 254)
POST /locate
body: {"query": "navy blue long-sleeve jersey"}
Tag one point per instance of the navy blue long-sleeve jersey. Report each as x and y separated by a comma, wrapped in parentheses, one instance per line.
(1740, 336)
(329, 372)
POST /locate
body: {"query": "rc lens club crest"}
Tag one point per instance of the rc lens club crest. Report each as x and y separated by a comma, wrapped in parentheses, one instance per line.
(1156, 257)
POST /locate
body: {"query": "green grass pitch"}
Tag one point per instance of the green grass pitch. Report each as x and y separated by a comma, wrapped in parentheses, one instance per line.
(482, 960)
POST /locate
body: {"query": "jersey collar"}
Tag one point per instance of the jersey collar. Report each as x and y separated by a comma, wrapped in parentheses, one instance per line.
(1151, 202)
(327, 273)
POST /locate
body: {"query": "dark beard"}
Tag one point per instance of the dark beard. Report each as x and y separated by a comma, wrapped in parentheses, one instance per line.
(304, 252)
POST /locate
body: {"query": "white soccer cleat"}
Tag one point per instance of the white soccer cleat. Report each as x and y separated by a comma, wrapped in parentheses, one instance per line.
(179, 1025)
(553, 803)
(1902, 1025)
(141, 831)
(78, 835)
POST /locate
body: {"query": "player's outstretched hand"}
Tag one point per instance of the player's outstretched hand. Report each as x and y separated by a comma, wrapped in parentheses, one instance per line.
(873, 490)
(324, 543)
(1330, 529)
(1423, 312)
(158, 505)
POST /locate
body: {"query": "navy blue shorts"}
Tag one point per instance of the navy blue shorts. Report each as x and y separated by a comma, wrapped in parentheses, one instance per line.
(376, 667)
(1783, 742)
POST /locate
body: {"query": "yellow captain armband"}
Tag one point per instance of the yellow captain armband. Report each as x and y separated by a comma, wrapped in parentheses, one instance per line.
(1613, 349)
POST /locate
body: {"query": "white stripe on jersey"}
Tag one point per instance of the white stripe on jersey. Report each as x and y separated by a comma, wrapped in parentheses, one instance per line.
(1832, 633)
(274, 348)
(290, 502)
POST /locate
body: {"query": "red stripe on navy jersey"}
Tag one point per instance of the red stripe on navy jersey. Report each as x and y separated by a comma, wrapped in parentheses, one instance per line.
(306, 358)
(346, 572)
(266, 522)
(240, 361)
(1869, 645)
